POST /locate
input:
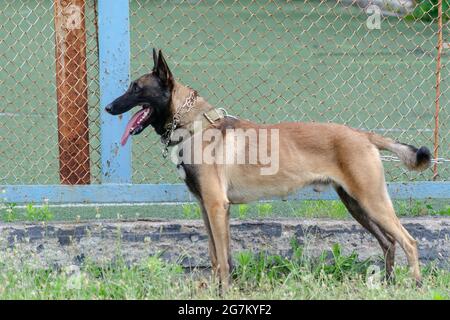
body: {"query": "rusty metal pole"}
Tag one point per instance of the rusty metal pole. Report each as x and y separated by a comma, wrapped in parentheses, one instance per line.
(71, 84)
(438, 91)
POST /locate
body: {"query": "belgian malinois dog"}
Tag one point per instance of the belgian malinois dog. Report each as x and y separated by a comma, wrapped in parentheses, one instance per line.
(307, 154)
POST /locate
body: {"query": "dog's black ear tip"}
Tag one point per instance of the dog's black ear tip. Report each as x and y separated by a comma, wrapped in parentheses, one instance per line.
(155, 58)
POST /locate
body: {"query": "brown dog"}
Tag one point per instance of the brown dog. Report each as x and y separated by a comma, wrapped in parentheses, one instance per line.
(306, 154)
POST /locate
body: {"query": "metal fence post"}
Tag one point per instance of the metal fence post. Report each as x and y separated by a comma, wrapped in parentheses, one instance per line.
(114, 65)
(438, 91)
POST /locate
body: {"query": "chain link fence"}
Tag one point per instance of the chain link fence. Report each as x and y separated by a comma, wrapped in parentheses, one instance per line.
(297, 60)
(28, 109)
(267, 61)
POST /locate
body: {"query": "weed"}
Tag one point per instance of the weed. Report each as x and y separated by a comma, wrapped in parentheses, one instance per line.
(264, 209)
(10, 214)
(341, 264)
(261, 266)
(243, 210)
(38, 214)
(191, 211)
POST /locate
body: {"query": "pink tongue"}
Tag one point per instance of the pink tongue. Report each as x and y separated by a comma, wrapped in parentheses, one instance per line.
(131, 125)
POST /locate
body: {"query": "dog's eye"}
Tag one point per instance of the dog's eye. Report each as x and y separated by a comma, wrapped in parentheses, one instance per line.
(136, 88)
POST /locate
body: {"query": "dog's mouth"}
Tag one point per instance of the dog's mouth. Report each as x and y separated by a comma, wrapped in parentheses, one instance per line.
(138, 122)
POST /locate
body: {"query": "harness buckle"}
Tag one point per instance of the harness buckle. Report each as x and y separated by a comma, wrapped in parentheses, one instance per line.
(218, 115)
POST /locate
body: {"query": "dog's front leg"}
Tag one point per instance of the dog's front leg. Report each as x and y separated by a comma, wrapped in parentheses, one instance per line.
(212, 248)
(217, 213)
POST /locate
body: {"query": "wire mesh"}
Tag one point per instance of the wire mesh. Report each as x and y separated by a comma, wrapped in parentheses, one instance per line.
(28, 109)
(272, 61)
(266, 61)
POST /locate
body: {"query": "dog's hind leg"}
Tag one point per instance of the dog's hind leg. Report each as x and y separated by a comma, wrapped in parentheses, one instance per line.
(382, 212)
(386, 242)
(375, 201)
(362, 177)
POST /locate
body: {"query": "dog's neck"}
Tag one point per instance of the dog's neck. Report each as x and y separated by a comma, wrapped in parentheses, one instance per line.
(180, 94)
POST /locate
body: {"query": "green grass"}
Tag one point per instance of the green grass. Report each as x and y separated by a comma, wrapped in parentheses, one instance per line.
(256, 276)
(10, 212)
(302, 60)
(30, 212)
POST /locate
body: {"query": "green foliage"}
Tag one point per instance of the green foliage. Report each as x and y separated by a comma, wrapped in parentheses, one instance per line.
(259, 267)
(243, 210)
(191, 211)
(10, 213)
(417, 208)
(340, 264)
(322, 208)
(445, 211)
(264, 209)
(440, 296)
(427, 10)
(38, 214)
(257, 276)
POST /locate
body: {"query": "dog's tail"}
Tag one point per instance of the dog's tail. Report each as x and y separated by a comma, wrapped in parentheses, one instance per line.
(413, 158)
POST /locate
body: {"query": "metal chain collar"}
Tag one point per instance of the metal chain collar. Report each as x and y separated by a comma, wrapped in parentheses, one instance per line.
(185, 108)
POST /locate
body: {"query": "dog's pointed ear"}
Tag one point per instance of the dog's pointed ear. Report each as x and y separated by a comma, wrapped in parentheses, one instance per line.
(155, 59)
(163, 71)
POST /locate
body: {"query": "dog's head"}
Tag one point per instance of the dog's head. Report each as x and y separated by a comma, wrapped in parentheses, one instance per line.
(153, 92)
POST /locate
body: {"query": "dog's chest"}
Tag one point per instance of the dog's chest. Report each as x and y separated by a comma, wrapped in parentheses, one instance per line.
(189, 173)
(181, 172)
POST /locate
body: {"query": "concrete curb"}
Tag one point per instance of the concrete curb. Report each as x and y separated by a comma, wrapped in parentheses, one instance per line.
(58, 244)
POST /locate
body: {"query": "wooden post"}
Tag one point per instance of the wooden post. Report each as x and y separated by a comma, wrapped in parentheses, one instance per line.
(71, 90)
